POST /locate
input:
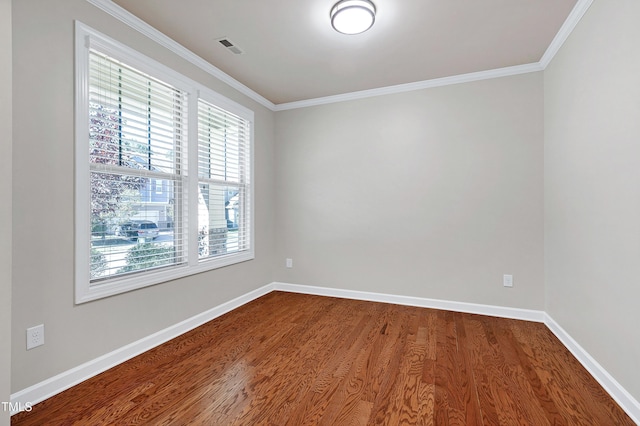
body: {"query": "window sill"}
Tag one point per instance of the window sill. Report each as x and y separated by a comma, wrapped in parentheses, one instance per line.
(95, 291)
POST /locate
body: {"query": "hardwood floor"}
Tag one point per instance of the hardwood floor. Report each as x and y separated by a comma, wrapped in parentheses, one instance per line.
(292, 359)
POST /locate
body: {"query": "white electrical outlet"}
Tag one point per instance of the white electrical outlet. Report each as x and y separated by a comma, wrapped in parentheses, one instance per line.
(507, 280)
(35, 336)
(289, 263)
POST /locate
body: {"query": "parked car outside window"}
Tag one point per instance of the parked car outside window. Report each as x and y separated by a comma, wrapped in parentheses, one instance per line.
(135, 229)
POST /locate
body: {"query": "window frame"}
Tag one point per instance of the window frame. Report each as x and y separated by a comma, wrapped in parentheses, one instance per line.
(87, 38)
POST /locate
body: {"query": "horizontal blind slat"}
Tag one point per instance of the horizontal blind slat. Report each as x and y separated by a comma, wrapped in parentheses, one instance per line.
(137, 127)
(222, 165)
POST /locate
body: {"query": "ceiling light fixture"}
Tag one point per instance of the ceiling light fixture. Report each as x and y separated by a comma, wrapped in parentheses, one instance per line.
(353, 16)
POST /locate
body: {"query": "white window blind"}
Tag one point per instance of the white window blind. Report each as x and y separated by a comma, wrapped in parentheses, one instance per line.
(223, 182)
(137, 140)
(163, 172)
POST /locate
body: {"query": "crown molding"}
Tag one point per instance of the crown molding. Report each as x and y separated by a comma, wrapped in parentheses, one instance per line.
(566, 29)
(136, 23)
(418, 85)
(139, 25)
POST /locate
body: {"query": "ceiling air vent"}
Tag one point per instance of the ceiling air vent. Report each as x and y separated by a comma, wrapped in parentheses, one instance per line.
(230, 46)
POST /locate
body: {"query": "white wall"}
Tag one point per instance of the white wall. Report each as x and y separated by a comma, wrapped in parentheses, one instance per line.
(592, 187)
(5, 206)
(43, 204)
(435, 193)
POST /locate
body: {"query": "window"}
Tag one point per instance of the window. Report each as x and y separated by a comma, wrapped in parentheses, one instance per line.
(136, 136)
(163, 172)
(222, 180)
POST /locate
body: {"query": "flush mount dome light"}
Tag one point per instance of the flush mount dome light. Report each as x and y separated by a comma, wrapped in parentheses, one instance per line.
(353, 16)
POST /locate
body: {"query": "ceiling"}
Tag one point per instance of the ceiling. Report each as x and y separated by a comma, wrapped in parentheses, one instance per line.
(291, 52)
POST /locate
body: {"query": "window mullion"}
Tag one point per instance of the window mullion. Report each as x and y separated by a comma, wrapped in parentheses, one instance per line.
(120, 116)
(149, 125)
(192, 182)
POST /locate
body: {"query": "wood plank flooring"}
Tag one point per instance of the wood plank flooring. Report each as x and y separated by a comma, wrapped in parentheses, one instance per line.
(293, 359)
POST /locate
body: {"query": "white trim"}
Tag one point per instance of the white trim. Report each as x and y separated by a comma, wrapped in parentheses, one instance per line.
(85, 38)
(82, 197)
(447, 305)
(627, 402)
(86, 293)
(142, 27)
(566, 29)
(137, 24)
(419, 85)
(56, 384)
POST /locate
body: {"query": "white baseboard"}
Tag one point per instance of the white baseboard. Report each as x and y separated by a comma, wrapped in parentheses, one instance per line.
(56, 384)
(627, 402)
(471, 308)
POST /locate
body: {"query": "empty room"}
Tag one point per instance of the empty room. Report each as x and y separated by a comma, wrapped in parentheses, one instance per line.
(236, 212)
